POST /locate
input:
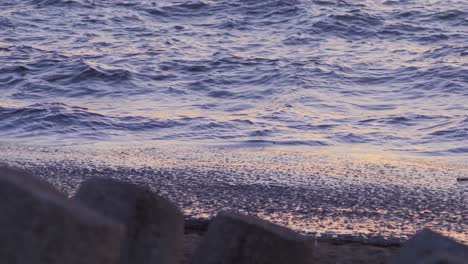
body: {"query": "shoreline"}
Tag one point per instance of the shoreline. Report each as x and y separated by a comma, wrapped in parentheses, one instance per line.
(321, 194)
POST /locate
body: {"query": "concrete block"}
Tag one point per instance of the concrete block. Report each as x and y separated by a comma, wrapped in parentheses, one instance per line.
(429, 247)
(233, 238)
(40, 225)
(155, 226)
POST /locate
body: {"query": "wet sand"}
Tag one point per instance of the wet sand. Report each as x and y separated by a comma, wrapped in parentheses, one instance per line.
(339, 194)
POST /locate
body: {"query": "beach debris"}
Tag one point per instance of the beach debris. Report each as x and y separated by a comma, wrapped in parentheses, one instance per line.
(40, 225)
(462, 179)
(234, 238)
(429, 247)
(155, 226)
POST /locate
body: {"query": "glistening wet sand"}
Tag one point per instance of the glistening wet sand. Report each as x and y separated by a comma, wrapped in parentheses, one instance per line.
(335, 193)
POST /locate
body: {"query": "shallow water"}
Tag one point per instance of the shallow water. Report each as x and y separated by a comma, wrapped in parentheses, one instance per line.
(391, 75)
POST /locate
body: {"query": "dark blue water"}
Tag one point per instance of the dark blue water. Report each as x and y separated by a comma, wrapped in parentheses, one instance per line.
(368, 73)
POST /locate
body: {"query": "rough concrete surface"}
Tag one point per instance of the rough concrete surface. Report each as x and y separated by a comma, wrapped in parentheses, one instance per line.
(233, 238)
(39, 225)
(154, 224)
(431, 248)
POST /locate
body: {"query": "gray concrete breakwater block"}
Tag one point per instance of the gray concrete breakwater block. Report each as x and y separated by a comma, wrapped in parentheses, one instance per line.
(233, 238)
(40, 225)
(155, 226)
(428, 247)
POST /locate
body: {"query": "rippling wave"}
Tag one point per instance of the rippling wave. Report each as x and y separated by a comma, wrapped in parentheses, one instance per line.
(391, 74)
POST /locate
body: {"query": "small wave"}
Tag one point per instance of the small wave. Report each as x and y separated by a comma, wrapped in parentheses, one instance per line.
(444, 152)
(261, 133)
(53, 77)
(354, 24)
(181, 9)
(351, 138)
(358, 19)
(448, 79)
(452, 133)
(195, 5)
(6, 23)
(260, 142)
(213, 125)
(157, 12)
(185, 66)
(75, 72)
(308, 127)
(377, 107)
(455, 16)
(221, 94)
(16, 69)
(298, 40)
(59, 3)
(409, 14)
(240, 14)
(446, 51)
(409, 120)
(10, 81)
(396, 2)
(434, 38)
(458, 150)
(57, 118)
(403, 29)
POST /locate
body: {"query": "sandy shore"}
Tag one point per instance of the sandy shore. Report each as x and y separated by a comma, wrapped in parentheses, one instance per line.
(329, 194)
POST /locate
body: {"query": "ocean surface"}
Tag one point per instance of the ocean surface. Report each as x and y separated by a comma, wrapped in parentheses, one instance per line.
(385, 74)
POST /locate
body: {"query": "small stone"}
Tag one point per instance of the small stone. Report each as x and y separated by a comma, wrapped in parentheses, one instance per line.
(428, 247)
(155, 226)
(233, 238)
(40, 225)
